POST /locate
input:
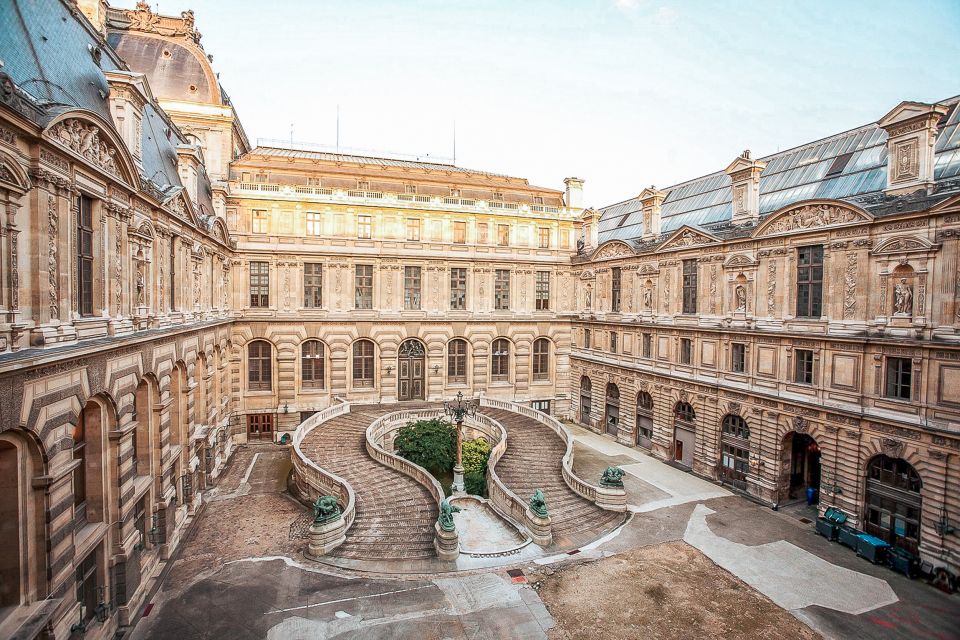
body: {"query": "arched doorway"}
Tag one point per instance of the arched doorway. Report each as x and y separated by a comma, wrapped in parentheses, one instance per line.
(684, 433)
(893, 502)
(644, 420)
(586, 389)
(612, 410)
(410, 369)
(801, 466)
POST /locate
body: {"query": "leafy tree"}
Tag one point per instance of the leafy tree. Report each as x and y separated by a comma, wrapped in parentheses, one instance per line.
(432, 444)
(475, 455)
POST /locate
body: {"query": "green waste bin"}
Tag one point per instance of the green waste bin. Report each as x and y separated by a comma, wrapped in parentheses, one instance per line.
(902, 561)
(849, 536)
(828, 525)
(872, 548)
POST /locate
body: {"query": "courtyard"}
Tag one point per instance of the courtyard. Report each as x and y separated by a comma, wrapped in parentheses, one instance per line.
(692, 560)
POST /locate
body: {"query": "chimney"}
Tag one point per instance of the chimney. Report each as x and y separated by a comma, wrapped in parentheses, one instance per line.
(96, 12)
(911, 135)
(650, 201)
(744, 174)
(590, 228)
(574, 194)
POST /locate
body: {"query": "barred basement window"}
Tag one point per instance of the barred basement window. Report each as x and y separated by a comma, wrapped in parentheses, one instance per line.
(543, 291)
(457, 361)
(363, 284)
(899, 377)
(541, 359)
(500, 360)
(259, 365)
(411, 288)
(312, 365)
(501, 290)
(363, 360)
(260, 285)
(458, 289)
(312, 285)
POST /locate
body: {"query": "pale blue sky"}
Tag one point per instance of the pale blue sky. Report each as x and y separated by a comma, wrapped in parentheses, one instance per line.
(622, 93)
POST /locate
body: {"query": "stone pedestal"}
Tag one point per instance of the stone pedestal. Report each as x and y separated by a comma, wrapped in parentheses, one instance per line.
(447, 543)
(457, 487)
(612, 498)
(326, 537)
(540, 530)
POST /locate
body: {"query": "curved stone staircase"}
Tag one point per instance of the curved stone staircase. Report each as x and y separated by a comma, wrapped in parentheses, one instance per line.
(533, 460)
(394, 513)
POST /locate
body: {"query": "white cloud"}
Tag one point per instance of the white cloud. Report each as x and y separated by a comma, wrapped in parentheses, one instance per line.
(627, 5)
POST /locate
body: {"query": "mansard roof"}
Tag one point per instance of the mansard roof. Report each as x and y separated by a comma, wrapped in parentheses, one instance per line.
(848, 166)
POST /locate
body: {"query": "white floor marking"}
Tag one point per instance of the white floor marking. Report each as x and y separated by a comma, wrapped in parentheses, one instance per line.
(363, 597)
(246, 477)
(290, 562)
(790, 576)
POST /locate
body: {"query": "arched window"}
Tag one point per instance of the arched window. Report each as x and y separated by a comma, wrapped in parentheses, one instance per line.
(893, 502)
(736, 426)
(684, 411)
(259, 365)
(312, 369)
(363, 361)
(644, 419)
(612, 409)
(586, 389)
(541, 359)
(500, 360)
(457, 361)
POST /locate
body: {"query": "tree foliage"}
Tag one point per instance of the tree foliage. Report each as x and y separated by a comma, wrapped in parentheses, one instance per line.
(432, 444)
(475, 455)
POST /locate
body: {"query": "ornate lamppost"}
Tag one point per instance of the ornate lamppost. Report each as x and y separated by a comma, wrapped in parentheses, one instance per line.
(458, 410)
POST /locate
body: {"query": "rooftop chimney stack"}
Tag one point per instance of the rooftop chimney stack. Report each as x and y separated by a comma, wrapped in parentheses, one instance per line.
(574, 195)
(650, 201)
(744, 174)
(911, 136)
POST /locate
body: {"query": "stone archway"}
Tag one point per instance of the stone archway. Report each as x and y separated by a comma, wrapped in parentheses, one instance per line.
(800, 466)
(410, 370)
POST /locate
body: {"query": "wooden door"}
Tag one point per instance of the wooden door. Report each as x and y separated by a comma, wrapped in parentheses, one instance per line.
(410, 371)
(260, 426)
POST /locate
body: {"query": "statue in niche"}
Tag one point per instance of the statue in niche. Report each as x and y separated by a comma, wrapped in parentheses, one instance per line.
(741, 295)
(903, 298)
(141, 288)
(647, 298)
(581, 245)
(588, 301)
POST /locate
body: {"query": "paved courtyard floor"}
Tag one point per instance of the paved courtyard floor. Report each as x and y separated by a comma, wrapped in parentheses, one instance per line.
(693, 560)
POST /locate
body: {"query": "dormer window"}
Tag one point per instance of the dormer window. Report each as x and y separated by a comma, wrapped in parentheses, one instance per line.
(363, 185)
(261, 177)
(454, 193)
(538, 200)
(410, 188)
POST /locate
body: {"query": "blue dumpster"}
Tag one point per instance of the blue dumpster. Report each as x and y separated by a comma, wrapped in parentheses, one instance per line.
(828, 525)
(872, 548)
(849, 536)
(902, 561)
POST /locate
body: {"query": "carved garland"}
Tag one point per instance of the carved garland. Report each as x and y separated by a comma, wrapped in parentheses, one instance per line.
(771, 287)
(53, 270)
(850, 287)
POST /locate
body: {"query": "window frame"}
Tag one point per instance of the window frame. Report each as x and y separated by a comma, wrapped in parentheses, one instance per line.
(413, 229)
(313, 285)
(810, 281)
(259, 271)
(543, 237)
(260, 222)
(803, 367)
(459, 232)
(500, 360)
(456, 361)
(314, 223)
(541, 360)
(363, 365)
(898, 379)
(363, 287)
(690, 286)
(616, 284)
(85, 256)
(313, 365)
(364, 226)
(542, 291)
(458, 288)
(503, 235)
(259, 366)
(501, 290)
(686, 351)
(412, 288)
(738, 357)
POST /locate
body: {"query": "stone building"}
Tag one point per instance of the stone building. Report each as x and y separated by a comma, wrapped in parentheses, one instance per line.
(167, 292)
(792, 322)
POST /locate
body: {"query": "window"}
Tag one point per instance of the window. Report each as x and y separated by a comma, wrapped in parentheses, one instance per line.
(313, 182)
(312, 285)
(459, 232)
(644, 417)
(735, 460)
(809, 281)
(543, 235)
(501, 290)
(586, 339)
(80, 473)
(899, 375)
(312, 365)
(689, 286)
(261, 177)
(457, 361)
(803, 371)
(543, 406)
(260, 222)
(586, 388)
(734, 425)
(541, 359)
(615, 283)
(613, 342)
(363, 282)
(140, 520)
(413, 229)
(85, 257)
(684, 412)
(363, 227)
(458, 288)
(173, 273)
(647, 345)
(260, 285)
(537, 199)
(483, 233)
(686, 350)
(503, 235)
(87, 588)
(411, 288)
(410, 188)
(259, 362)
(314, 227)
(500, 360)
(498, 196)
(363, 185)
(543, 290)
(363, 363)
(454, 192)
(738, 357)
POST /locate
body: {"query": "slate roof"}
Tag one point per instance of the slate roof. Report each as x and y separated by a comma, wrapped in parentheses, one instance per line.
(790, 176)
(49, 54)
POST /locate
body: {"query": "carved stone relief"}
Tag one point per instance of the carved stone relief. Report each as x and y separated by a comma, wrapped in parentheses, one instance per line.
(713, 288)
(811, 216)
(771, 287)
(850, 287)
(53, 269)
(85, 139)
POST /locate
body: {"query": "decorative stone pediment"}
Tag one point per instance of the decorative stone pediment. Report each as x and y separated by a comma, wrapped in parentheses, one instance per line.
(586, 274)
(180, 206)
(687, 236)
(12, 175)
(811, 215)
(648, 270)
(95, 143)
(740, 261)
(904, 244)
(219, 230)
(612, 249)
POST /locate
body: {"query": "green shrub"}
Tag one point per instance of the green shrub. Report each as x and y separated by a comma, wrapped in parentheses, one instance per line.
(475, 455)
(475, 483)
(432, 444)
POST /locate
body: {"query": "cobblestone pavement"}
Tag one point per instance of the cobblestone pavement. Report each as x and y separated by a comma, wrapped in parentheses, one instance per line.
(240, 574)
